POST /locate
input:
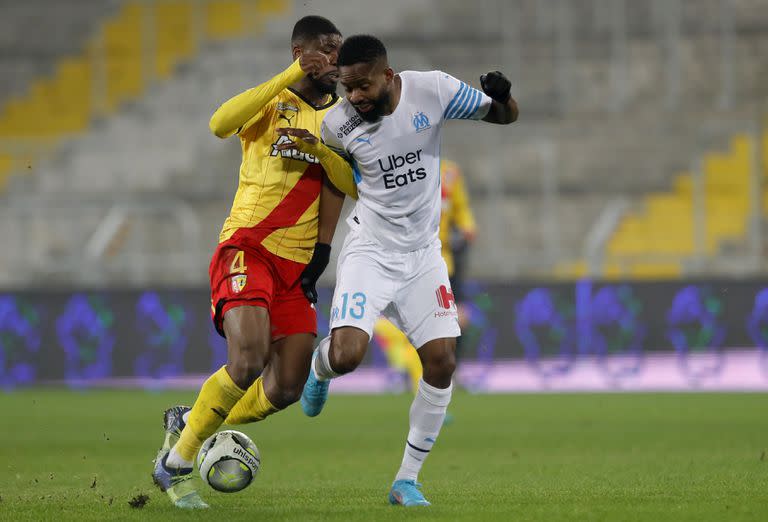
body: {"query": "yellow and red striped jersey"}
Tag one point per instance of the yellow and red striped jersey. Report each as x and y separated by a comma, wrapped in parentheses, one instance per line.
(278, 193)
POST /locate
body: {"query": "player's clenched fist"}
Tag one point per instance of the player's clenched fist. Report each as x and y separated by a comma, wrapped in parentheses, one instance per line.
(496, 85)
(312, 62)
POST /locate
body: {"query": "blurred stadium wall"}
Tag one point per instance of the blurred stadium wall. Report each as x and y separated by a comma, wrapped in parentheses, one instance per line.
(638, 162)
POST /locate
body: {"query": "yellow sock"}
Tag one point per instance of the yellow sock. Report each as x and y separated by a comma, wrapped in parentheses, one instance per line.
(217, 397)
(254, 406)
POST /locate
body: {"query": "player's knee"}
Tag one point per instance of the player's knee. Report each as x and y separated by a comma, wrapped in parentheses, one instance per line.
(246, 361)
(347, 352)
(285, 395)
(346, 358)
(439, 367)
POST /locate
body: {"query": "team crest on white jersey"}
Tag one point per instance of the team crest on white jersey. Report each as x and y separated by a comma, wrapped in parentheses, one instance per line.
(421, 122)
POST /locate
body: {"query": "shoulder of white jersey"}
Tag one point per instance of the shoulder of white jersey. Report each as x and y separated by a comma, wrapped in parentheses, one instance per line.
(421, 79)
(338, 112)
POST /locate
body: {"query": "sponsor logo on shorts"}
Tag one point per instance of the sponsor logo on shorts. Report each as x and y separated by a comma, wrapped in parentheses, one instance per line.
(238, 283)
(445, 297)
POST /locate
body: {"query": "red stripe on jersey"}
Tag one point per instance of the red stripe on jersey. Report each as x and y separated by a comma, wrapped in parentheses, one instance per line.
(290, 208)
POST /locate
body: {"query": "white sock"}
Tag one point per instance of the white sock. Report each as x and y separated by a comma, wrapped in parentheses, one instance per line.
(426, 418)
(322, 363)
(174, 460)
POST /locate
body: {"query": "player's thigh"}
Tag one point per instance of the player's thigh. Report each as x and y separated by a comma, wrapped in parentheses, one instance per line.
(364, 287)
(438, 359)
(247, 330)
(424, 307)
(239, 277)
(291, 313)
(288, 368)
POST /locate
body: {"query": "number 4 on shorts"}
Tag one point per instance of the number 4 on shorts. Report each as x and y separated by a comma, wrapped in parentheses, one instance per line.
(238, 263)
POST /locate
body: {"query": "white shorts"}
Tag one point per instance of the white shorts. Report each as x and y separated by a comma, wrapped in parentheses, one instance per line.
(410, 289)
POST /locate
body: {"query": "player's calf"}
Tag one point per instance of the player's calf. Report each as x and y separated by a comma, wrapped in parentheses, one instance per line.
(347, 349)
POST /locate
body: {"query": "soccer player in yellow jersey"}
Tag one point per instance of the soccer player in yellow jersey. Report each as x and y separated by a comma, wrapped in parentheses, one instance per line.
(273, 247)
(456, 217)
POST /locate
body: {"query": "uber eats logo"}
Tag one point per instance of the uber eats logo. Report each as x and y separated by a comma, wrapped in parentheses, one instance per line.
(393, 162)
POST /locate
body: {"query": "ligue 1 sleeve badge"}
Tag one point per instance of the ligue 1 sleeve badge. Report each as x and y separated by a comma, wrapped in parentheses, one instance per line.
(238, 283)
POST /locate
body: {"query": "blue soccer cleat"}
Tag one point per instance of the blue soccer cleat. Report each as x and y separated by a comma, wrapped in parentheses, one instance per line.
(176, 482)
(407, 493)
(315, 392)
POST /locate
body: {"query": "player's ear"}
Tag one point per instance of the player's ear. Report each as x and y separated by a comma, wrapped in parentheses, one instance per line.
(389, 74)
(295, 51)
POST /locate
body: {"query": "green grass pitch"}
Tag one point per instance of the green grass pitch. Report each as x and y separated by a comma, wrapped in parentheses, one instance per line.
(68, 455)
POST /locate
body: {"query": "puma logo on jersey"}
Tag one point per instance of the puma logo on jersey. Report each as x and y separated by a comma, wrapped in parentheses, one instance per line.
(291, 153)
(286, 118)
(361, 139)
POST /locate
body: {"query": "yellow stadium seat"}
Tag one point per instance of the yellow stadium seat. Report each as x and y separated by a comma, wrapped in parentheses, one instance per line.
(65, 101)
(572, 270)
(655, 270)
(173, 22)
(225, 19)
(123, 49)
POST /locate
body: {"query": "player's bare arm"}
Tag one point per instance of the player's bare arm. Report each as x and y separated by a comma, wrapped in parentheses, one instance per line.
(240, 112)
(503, 110)
(337, 169)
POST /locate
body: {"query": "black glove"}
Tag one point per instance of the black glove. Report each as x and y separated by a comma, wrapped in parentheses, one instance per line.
(496, 85)
(312, 272)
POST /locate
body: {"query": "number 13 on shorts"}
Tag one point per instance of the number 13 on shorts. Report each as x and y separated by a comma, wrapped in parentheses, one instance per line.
(352, 305)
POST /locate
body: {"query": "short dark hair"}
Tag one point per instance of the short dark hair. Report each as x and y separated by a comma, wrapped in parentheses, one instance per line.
(311, 27)
(361, 48)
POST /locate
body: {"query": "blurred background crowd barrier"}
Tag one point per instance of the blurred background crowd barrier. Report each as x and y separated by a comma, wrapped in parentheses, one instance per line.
(520, 337)
(639, 158)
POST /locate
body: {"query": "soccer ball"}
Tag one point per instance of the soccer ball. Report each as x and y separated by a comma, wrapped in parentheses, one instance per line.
(228, 461)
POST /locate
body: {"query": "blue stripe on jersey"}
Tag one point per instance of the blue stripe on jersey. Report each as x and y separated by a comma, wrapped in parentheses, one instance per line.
(356, 173)
(461, 90)
(470, 105)
(461, 104)
(476, 105)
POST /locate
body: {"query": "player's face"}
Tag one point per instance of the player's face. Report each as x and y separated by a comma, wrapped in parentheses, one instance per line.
(326, 80)
(368, 88)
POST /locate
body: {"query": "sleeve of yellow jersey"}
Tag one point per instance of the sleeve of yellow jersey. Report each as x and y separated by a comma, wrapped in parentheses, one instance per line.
(242, 111)
(334, 159)
(462, 213)
(338, 169)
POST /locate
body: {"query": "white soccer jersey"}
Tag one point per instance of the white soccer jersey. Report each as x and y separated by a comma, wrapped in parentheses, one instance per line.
(396, 161)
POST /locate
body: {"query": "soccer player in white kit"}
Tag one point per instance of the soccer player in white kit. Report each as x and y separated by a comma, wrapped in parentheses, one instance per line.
(389, 128)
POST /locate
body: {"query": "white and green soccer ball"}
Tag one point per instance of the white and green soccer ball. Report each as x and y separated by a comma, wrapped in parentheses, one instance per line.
(228, 461)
